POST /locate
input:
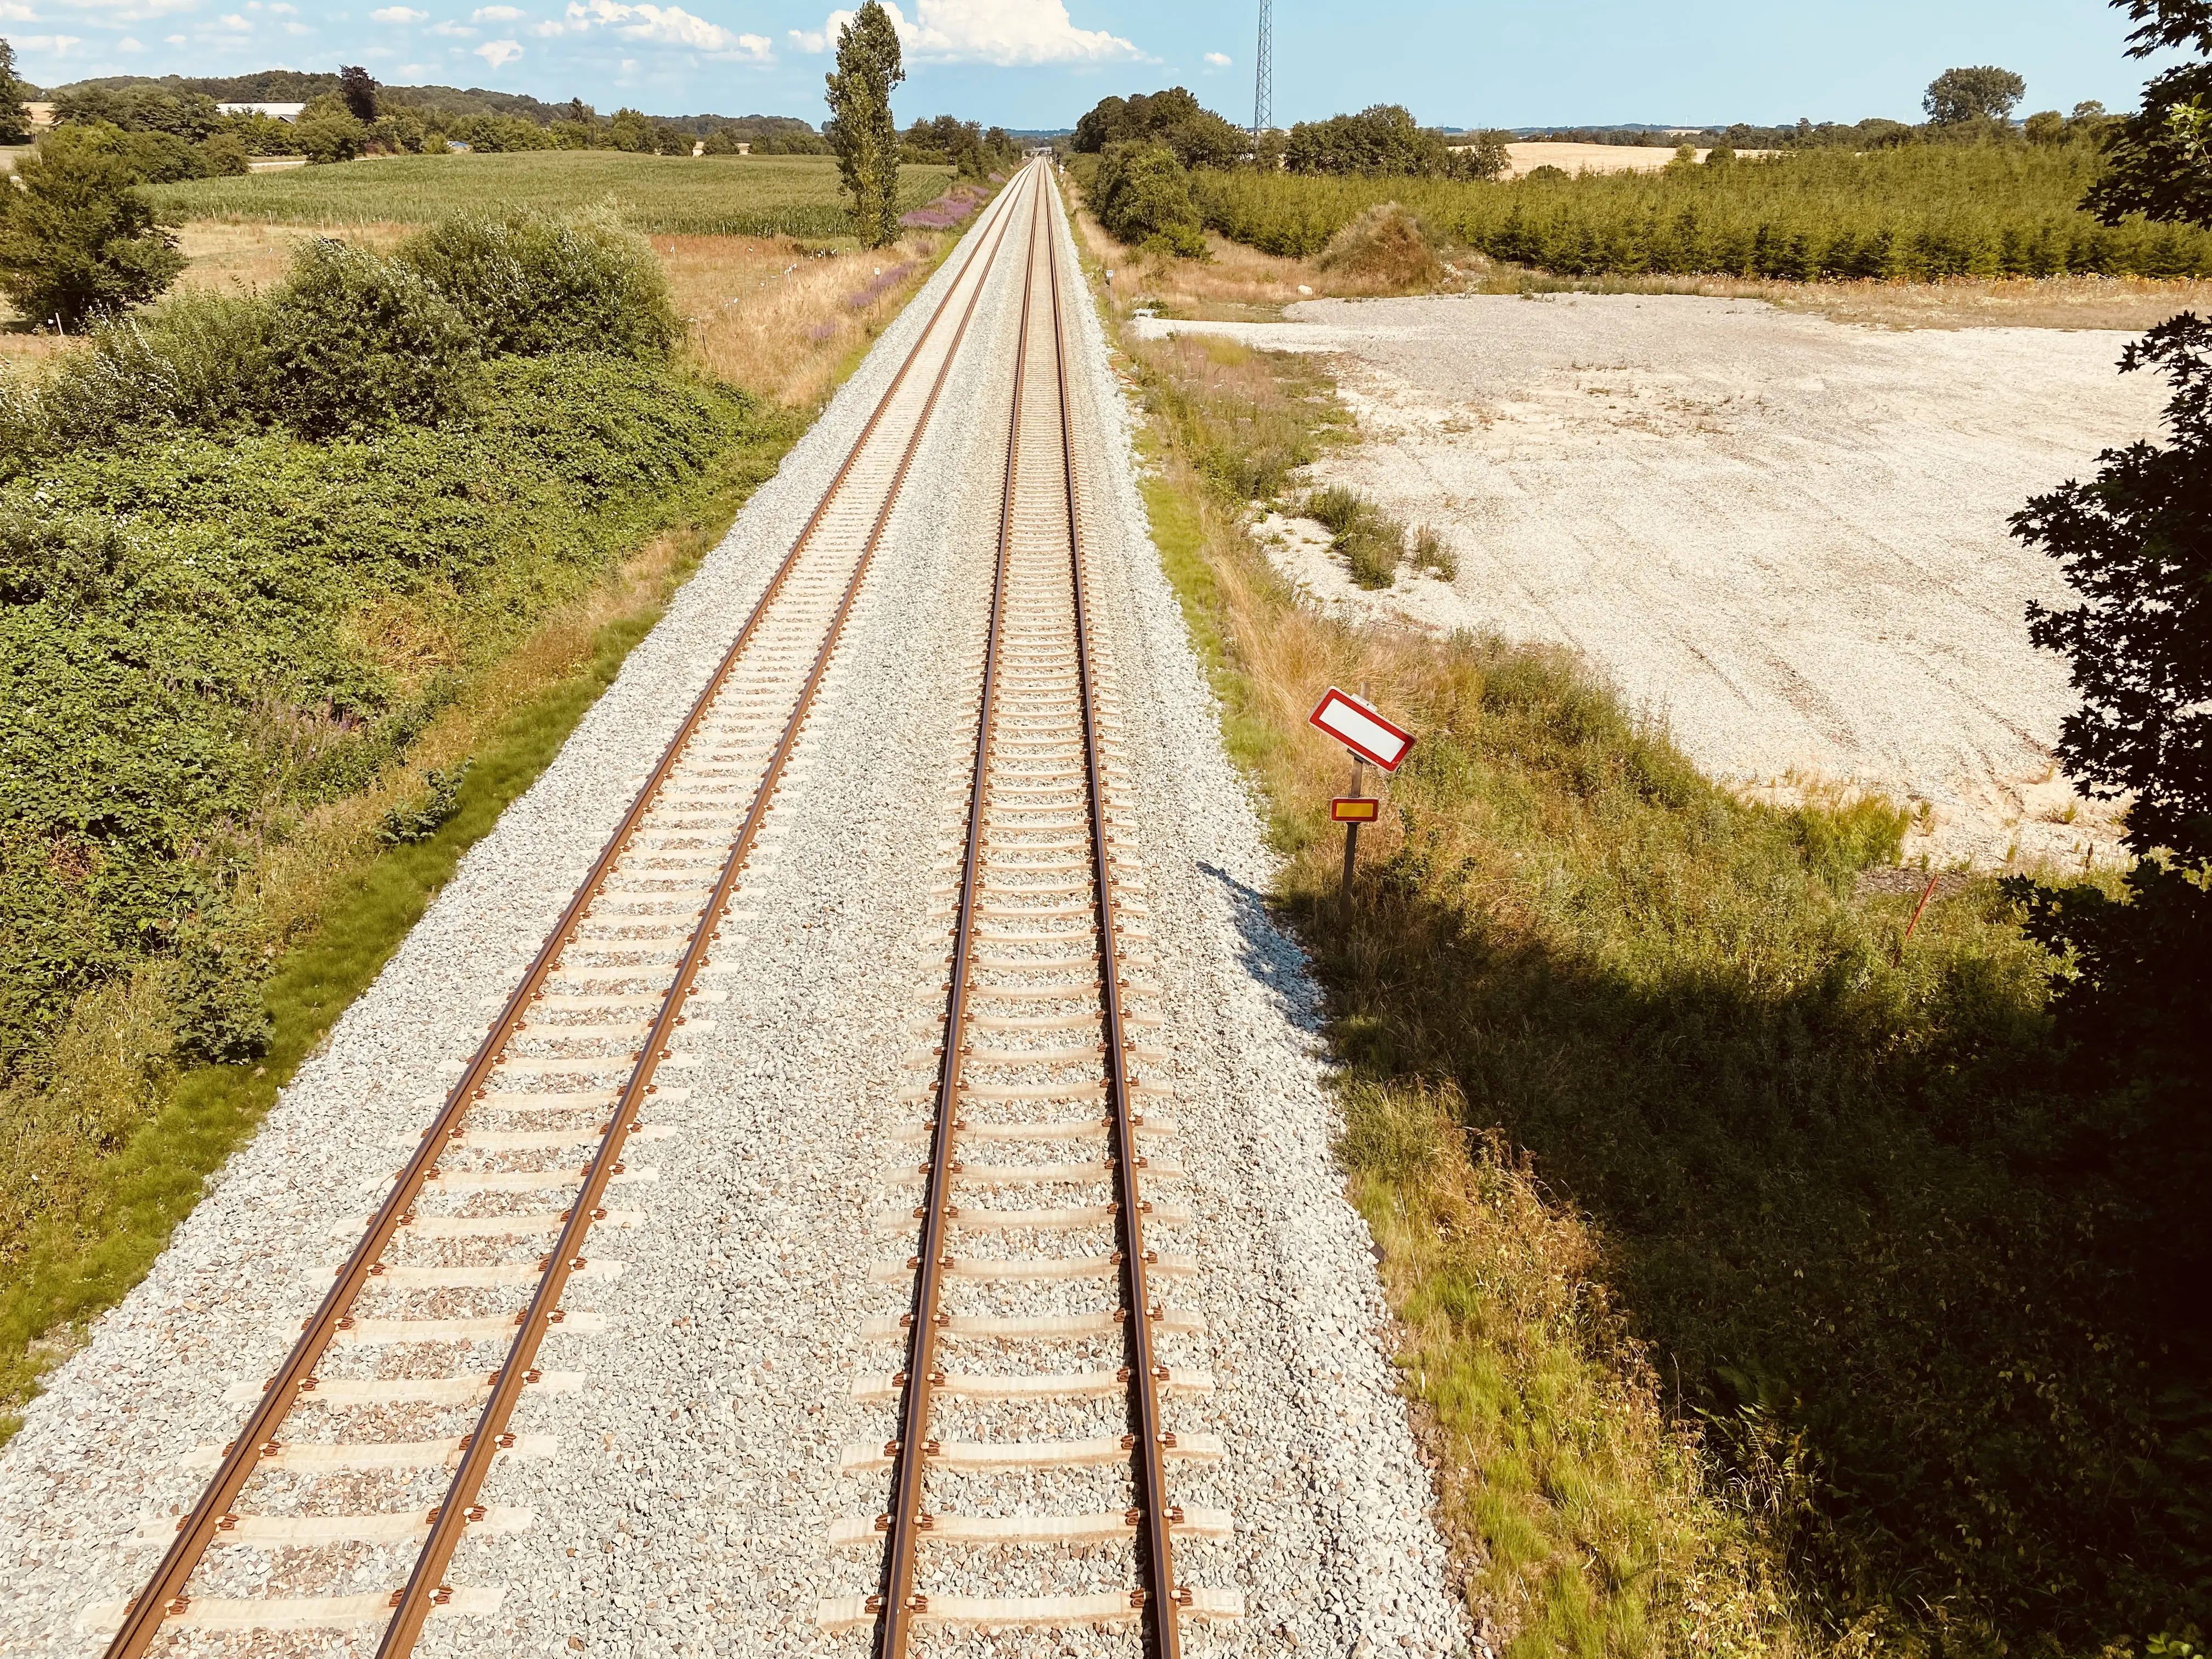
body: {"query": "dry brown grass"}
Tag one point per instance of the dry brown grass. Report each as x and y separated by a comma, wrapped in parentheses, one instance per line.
(774, 315)
(240, 259)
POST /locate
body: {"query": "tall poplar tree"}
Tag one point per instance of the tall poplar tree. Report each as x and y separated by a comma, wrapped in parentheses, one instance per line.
(14, 119)
(860, 129)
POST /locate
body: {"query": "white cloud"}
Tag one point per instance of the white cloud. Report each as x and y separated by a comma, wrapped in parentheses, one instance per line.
(1005, 32)
(667, 26)
(500, 53)
(126, 44)
(1217, 59)
(397, 14)
(496, 15)
(172, 40)
(455, 31)
(57, 44)
(12, 13)
(231, 19)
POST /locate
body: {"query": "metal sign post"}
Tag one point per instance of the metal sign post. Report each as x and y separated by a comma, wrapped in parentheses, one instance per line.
(1368, 736)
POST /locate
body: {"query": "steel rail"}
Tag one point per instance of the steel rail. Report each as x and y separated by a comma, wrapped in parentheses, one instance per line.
(424, 1585)
(164, 1594)
(895, 1602)
(898, 1603)
(1156, 1561)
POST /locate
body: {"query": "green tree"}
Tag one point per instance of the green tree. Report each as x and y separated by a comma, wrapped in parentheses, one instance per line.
(328, 138)
(1142, 197)
(1484, 157)
(14, 119)
(2046, 126)
(1382, 141)
(1983, 94)
(2135, 978)
(1199, 137)
(630, 130)
(358, 87)
(2160, 159)
(77, 239)
(861, 129)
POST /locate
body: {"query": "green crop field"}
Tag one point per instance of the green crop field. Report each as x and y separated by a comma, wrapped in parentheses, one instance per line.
(681, 196)
(1920, 213)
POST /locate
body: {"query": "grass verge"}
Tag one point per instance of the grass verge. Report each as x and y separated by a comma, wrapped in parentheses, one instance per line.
(1755, 1288)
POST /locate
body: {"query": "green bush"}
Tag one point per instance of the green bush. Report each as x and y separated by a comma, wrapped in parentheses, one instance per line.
(529, 283)
(351, 341)
(328, 138)
(357, 341)
(1920, 212)
(1432, 553)
(1372, 542)
(419, 820)
(1142, 197)
(179, 653)
(76, 239)
(1335, 508)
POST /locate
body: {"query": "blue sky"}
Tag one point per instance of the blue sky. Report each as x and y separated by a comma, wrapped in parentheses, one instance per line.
(1041, 62)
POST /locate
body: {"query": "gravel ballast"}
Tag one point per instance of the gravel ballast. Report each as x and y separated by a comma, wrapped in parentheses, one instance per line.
(686, 1504)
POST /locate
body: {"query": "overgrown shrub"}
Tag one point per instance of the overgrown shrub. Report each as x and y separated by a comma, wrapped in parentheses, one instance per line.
(76, 239)
(1141, 194)
(351, 341)
(423, 818)
(1387, 246)
(357, 341)
(181, 652)
(530, 284)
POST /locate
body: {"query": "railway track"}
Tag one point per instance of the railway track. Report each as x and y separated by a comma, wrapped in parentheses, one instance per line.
(1040, 1359)
(363, 1459)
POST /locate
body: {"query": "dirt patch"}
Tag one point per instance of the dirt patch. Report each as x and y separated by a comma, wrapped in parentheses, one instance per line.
(1599, 158)
(1783, 538)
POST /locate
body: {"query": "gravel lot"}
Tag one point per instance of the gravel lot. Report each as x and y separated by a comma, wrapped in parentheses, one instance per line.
(1785, 537)
(686, 1508)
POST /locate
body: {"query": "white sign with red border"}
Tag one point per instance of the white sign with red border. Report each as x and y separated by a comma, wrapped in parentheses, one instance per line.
(1361, 730)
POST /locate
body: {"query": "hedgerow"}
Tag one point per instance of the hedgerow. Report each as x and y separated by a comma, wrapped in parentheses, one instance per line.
(1920, 212)
(178, 669)
(248, 548)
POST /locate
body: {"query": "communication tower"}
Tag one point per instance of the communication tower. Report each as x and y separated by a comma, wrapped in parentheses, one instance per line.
(1263, 86)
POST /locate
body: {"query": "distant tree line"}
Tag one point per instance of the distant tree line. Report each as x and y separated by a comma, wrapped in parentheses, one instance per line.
(348, 114)
(968, 147)
(1971, 106)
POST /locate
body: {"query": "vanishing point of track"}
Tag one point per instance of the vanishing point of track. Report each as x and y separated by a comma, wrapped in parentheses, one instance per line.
(569, 1062)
